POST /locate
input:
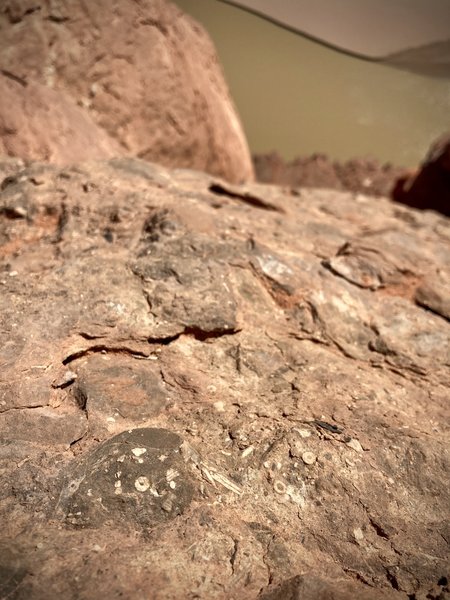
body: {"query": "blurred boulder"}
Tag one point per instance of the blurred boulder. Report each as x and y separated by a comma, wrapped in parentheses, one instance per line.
(145, 72)
(429, 186)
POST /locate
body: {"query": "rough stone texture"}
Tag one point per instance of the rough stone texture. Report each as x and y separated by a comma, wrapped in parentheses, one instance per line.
(212, 391)
(429, 186)
(366, 176)
(38, 123)
(144, 72)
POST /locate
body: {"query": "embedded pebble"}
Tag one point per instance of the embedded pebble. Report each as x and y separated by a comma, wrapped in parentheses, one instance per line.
(355, 445)
(247, 451)
(309, 458)
(167, 505)
(139, 451)
(142, 484)
(279, 487)
(304, 433)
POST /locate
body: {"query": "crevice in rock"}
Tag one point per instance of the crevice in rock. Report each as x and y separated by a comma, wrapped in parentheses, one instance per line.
(280, 294)
(102, 349)
(63, 220)
(154, 23)
(378, 528)
(33, 407)
(357, 576)
(392, 579)
(246, 197)
(266, 561)
(164, 341)
(57, 19)
(201, 335)
(234, 554)
(12, 212)
(431, 310)
(196, 332)
(328, 265)
(78, 440)
(90, 336)
(23, 82)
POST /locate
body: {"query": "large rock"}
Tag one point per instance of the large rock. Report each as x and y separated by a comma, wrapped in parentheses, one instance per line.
(145, 72)
(212, 391)
(429, 186)
(38, 123)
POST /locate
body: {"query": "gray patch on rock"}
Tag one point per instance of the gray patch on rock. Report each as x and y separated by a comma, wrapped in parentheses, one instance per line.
(137, 477)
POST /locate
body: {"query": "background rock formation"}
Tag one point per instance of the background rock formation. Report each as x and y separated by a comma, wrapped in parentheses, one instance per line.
(427, 188)
(215, 391)
(367, 176)
(144, 72)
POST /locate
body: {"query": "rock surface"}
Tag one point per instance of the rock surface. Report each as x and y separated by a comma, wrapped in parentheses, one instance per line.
(144, 72)
(212, 391)
(38, 123)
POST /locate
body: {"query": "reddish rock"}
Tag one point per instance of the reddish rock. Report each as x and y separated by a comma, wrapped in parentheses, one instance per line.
(218, 391)
(362, 175)
(38, 123)
(314, 171)
(429, 186)
(146, 73)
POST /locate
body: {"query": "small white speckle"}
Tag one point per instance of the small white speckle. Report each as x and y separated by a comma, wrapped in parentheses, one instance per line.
(167, 505)
(247, 451)
(171, 474)
(139, 451)
(142, 484)
(172, 485)
(358, 534)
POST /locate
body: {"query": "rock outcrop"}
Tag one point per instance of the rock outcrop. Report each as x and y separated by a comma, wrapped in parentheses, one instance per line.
(144, 72)
(429, 186)
(211, 391)
(359, 175)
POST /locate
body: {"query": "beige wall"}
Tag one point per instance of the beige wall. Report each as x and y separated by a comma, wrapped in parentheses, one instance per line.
(299, 97)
